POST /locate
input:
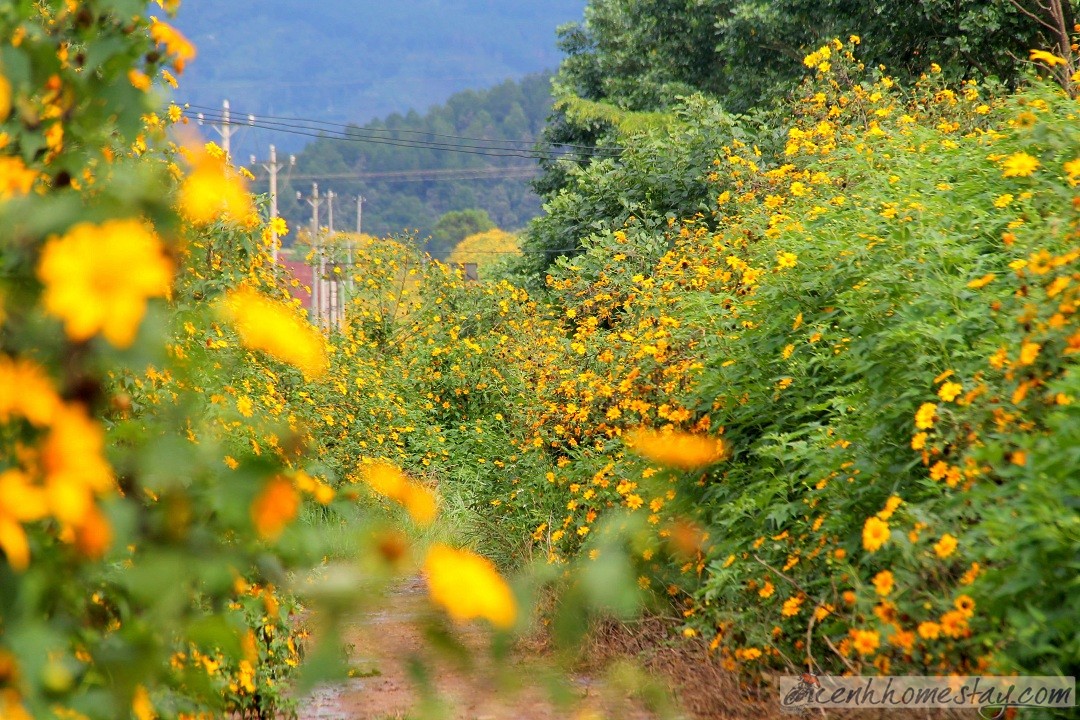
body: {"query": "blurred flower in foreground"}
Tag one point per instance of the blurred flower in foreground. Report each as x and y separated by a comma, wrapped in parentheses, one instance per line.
(5, 98)
(26, 391)
(15, 178)
(677, 449)
(390, 482)
(174, 41)
(275, 328)
(212, 189)
(1048, 58)
(98, 278)
(468, 586)
(274, 508)
(20, 501)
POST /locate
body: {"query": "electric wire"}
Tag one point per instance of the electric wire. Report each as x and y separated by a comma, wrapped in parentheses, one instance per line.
(352, 128)
(440, 174)
(304, 131)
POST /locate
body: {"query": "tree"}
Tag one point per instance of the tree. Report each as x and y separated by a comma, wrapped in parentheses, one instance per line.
(642, 55)
(455, 226)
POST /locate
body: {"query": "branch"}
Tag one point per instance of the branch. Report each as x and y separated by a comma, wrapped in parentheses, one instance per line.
(770, 567)
(1033, 16)
(839, 654)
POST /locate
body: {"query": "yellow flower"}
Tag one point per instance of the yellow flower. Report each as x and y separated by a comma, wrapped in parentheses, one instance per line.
(247, 676)
(390, 482)
(276, 329)
(883, 583)
(954, 624)
(98, 278)
(682, 450)
(139, 80)
(1028, 352)
(924, 417)
(212, 189)
(982, 282)
(766, 590)
(26, 391)
(1072, 169)
(891, 504)
(72, 457)
(791, 606)
(244, 406)
(965, 604)
(946, 546)
(274, 508)
(875, 533)
(904, 639)
(20, 501)
(949, 391)
(929, 630)
(174, 41)
(15, 178)
(141, 707)
(918, 441)
(1019, 164)
(865, 641)
(5, 98)
(1046, 57)
(468, 586)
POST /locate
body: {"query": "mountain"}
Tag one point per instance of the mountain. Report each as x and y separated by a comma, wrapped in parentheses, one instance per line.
(351, 62)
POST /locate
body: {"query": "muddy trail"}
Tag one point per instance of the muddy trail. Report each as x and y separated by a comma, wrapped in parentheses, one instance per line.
(385, 646)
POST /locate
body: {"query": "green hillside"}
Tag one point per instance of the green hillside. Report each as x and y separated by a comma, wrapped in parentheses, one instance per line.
(419, 184)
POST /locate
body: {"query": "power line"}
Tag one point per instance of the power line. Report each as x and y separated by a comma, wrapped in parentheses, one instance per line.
(354, 129)
(300, 130)
(354, 135)
(441, 174)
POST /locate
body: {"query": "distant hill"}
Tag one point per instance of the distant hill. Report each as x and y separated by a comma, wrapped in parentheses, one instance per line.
(349, 61)
(399, 198)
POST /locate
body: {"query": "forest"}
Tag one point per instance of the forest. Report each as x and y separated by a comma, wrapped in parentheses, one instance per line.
(507, 119)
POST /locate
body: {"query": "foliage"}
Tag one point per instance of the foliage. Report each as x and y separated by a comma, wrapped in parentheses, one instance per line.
(748, 54)
(875, 315)
(158, 442)
(657, 176)
(455, 226)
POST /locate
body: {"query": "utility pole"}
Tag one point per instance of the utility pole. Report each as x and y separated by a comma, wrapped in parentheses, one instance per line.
(225, 128)
(272, 168)
(316, 274)
(330, 204)
(330, 291)
(359, 232)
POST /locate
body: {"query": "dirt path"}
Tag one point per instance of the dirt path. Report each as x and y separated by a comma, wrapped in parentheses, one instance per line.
(388, 643)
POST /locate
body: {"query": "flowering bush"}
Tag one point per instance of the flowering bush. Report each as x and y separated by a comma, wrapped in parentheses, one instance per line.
(875, 316)
(159, 443)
